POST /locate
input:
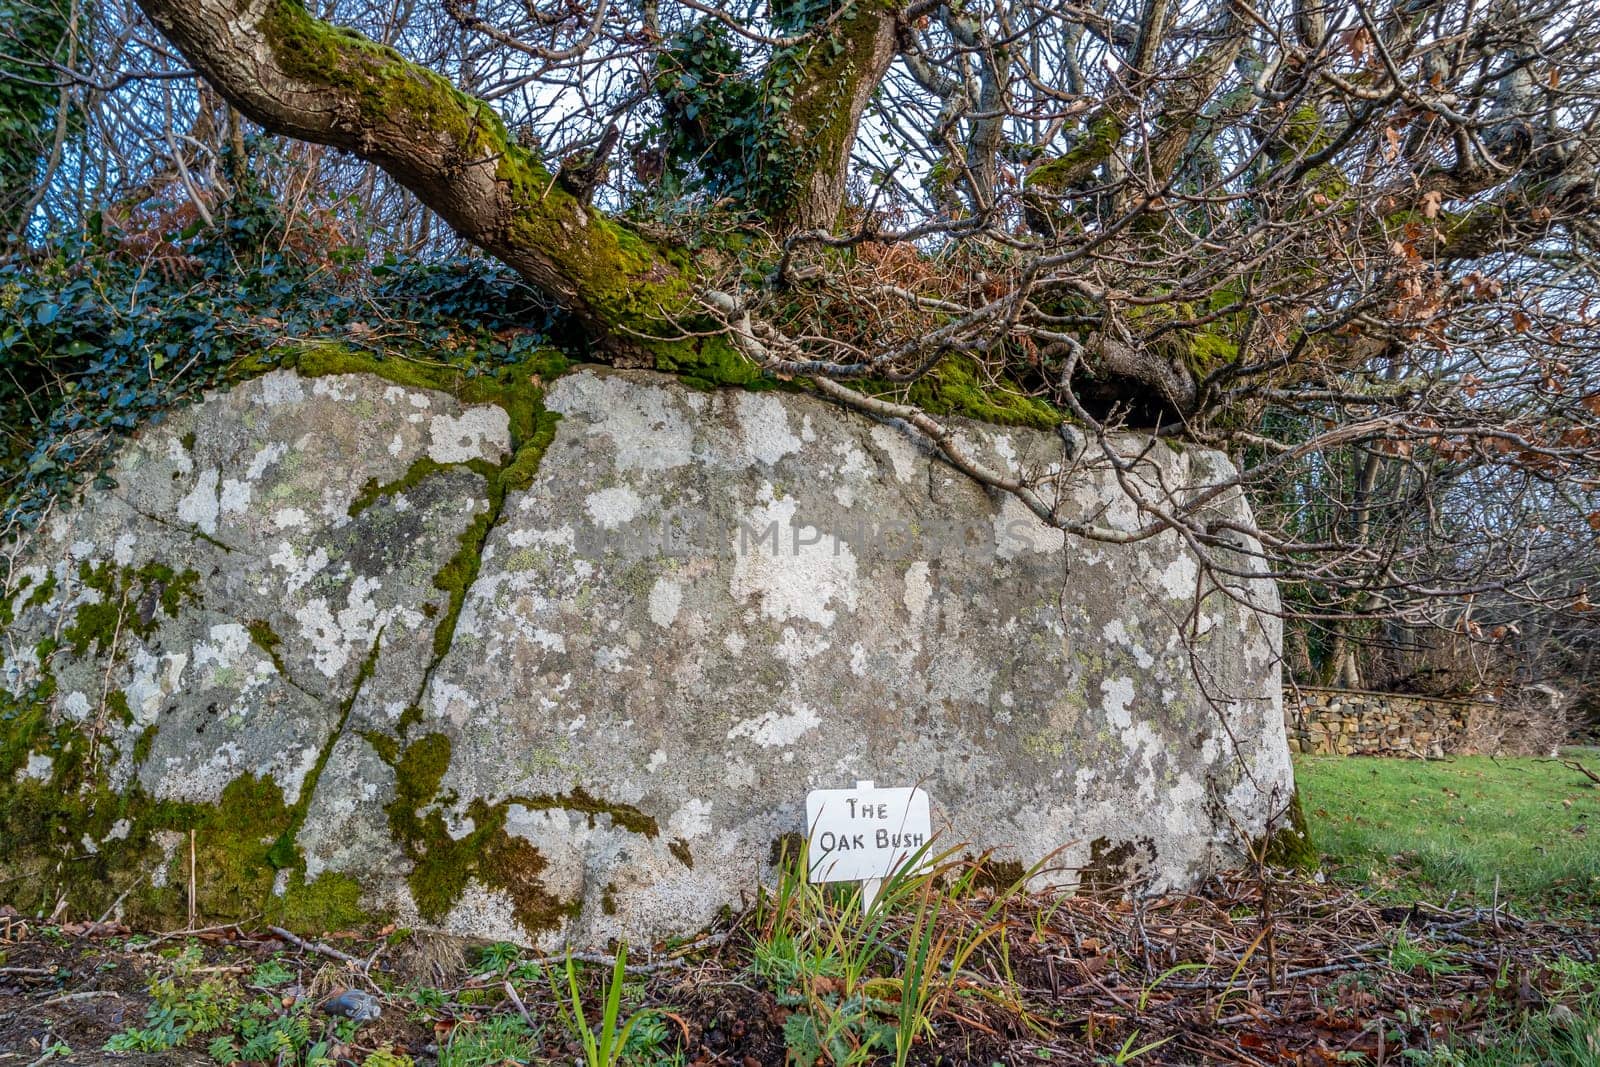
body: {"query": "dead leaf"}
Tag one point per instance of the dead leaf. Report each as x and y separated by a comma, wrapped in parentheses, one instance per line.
(1392, 138)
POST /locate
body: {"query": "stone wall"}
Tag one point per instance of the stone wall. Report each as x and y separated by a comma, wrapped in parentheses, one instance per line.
(1352, 722)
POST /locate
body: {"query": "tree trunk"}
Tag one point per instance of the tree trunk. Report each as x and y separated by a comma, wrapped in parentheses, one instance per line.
(835, 88)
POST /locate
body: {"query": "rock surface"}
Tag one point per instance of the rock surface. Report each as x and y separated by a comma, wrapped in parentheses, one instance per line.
(305, 622)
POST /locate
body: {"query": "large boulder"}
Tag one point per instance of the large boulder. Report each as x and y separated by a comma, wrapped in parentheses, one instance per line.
(345, 633)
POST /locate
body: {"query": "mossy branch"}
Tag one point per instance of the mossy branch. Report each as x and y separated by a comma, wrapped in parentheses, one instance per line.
(304, 78)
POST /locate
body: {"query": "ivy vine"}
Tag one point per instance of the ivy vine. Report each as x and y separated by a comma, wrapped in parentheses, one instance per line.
(724, 129)
(33, 34)
(109, 331)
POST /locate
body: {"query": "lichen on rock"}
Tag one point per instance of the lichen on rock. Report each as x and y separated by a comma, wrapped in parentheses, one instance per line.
(555, 656)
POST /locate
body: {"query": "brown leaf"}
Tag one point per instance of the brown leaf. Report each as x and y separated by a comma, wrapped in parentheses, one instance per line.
(1358, 42)
(1392, 137)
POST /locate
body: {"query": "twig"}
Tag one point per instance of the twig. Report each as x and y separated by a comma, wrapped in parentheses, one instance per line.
(192, 931)
(316, 946)
(192, 887)
(1574, 765)
(88, 994)
(633, 968)
(49, 1047)
(115, 904)
(1256, 983)
(673, 962)
(511, 991)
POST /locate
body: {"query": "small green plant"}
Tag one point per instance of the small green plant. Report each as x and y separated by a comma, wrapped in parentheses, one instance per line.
(283, 1038)
(386, 1056)
(781, 960)
(1565, 1034)
(648, 1045)
(1127, 1053)
(1130, 1050)
(604, 1044)
(1408, 956)
(261, 1034)
(500, 1040)
(1575, 978)
(528, 971)
(427, 1000)
(1175, 969)
(269, 974)
(160, 1036)
(1238, 969)
(850, 1032)
(54, 1050)
(177, 1013)
(498, 958)
(866, 984)
(942, 937)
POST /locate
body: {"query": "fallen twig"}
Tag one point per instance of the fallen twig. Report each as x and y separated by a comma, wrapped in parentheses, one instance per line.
(88, 994)
(511, 991)
(1574, 765)
(317, 947)
(173, 935)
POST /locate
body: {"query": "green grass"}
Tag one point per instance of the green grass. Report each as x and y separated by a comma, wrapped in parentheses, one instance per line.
(1408, 827)
(1566, 1034)
(500, 1040)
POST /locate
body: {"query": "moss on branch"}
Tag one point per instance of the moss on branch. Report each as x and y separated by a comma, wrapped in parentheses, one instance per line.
(636, 295)
(1088, 152)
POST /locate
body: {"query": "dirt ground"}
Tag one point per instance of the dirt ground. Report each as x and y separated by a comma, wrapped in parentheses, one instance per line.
(1251, 970)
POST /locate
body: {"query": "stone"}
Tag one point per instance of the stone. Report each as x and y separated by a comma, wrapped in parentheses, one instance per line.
(589, 706)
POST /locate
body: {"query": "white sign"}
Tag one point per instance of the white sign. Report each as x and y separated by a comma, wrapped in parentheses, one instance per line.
(864, 834)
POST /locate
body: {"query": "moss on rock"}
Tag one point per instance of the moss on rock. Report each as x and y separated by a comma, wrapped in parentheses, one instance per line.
(1290, 845)
(443, 864)
(131, 600)
(264, 637)
(958, 386)
(517, 389)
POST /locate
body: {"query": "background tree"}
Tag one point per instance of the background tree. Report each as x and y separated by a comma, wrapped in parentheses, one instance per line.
(33, 117)
(1350, 244)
